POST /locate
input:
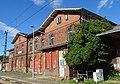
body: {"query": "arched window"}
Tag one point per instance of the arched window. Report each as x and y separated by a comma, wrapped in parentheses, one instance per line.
(19, 38)
(17, 50)
(22, 48)
(42, 43)
(52, 39)
(69, 33)
(36, 44)
(30, 46)
(22, 63)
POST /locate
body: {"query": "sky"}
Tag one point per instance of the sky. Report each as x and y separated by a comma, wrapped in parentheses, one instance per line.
(18, 15)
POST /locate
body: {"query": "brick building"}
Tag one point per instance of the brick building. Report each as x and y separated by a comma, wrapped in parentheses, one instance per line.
(10, 59)
(50, 43)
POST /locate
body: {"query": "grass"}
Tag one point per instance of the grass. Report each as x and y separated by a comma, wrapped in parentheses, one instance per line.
(103, 82)
(5, 82)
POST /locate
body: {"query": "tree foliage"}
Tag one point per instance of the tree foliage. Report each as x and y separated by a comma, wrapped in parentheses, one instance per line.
(84, 46)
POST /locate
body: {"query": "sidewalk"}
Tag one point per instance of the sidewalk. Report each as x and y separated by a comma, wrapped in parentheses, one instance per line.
(25, 78)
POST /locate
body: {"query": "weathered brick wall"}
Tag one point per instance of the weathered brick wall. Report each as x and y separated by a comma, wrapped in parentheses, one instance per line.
(19, 44)
(60, 33)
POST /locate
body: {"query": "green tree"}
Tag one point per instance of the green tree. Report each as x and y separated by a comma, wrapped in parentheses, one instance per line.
(85, 47)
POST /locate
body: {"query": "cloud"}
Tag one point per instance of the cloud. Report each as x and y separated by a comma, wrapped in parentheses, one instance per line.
(111, 2)
(38, 2)
(12, 31)
(104, 3)
(56, 3)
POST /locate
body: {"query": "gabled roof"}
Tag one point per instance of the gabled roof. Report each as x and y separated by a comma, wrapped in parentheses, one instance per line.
(67, 10)
(17, 35)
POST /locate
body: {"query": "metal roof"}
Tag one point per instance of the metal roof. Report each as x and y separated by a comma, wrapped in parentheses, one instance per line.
(54, 14)
(64, 10)
(115, 32)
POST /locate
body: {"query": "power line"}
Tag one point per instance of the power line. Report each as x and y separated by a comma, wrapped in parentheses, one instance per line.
(22, 13)
(25, 10)
(32, 15)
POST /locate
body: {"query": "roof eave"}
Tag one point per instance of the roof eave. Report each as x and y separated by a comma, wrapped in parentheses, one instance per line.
(17, 35)
(55, 12)
(109, 32)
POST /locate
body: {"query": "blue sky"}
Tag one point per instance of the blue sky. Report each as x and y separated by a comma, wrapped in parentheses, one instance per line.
(14, 12)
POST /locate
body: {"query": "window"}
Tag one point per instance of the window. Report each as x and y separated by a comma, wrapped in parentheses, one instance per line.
(17, 62)
(22, 62)
(19, 38)
(30, 46)
(42, 43)
(51, 39)
(84, 18)
(58, 20)
(61, 62)
(17, 50)
(66, 17)
(69, 33)
(36, 44)
(47, 60)
(22, 48)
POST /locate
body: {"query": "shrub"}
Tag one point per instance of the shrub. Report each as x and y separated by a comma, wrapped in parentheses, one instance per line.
(113, 75)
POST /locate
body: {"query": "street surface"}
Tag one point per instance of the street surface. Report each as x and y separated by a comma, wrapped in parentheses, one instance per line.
(25, 78)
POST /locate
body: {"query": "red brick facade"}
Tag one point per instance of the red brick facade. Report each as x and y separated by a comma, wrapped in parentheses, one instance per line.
(48, 58)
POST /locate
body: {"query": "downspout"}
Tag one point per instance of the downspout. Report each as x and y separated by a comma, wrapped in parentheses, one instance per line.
(26, 54)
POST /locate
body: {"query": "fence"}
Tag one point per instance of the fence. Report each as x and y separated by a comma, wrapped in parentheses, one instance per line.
(80, 74)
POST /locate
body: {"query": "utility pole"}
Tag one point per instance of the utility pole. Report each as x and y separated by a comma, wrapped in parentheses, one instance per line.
(5, 47)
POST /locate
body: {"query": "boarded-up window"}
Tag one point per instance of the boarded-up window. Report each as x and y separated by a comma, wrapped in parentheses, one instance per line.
(47, 60)
(53, 59)
(22, 63)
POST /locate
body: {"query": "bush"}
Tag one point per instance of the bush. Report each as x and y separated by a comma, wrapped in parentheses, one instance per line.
(113, 75)
(89, 82)
(92, 82)
(73, 82)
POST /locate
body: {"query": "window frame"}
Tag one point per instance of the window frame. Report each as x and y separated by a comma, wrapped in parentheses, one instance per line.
(31, 45)
(19, 38)
(36, 44)
(66, 17)
(42, 43)
(23, 47)
(16, 49)
(51, 39)
(69, 33)
(59, 20)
